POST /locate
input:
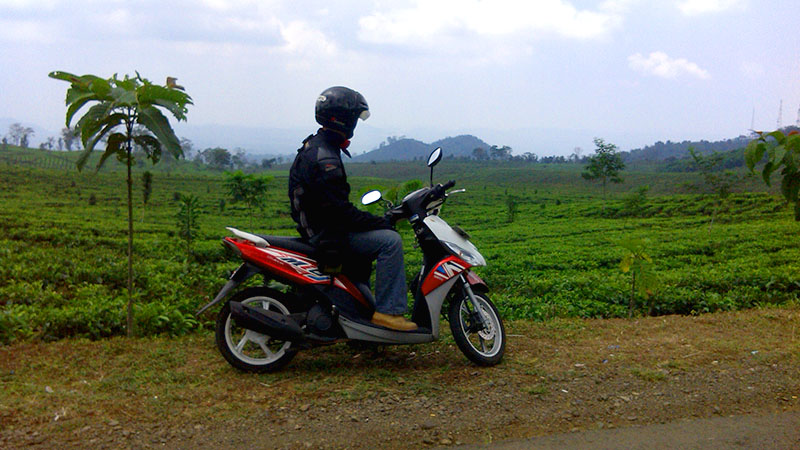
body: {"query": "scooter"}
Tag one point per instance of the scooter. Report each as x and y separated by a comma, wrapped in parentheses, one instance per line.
(260, 329)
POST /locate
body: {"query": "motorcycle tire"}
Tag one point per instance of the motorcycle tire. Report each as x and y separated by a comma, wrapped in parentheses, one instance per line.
(245, 349)
(484, 347)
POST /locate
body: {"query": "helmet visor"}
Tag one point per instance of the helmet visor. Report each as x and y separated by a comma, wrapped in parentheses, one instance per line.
(364, 115)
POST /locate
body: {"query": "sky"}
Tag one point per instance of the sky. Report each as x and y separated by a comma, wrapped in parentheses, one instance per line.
(542, 76)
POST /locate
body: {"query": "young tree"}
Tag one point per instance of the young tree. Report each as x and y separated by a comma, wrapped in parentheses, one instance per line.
(643, 278)
(781, 150)
(605, 164)
(250, 189)
(118, 106)
(186, 220)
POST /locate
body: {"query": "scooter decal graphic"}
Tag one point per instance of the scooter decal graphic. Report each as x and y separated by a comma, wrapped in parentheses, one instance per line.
(304, 268)
(446, 270)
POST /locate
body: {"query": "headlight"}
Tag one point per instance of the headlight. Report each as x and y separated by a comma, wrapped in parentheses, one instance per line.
(473, 260)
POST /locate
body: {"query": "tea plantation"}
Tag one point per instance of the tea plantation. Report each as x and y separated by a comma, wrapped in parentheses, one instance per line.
(551, 241)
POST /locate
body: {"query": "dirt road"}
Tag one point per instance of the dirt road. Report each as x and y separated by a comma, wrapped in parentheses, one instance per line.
(771, 432)
(571, 381)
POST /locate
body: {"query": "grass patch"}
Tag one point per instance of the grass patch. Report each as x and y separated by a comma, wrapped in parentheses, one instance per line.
(648, 374)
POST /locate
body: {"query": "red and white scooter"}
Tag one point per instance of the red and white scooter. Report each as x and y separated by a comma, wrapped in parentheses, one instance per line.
(261, 328)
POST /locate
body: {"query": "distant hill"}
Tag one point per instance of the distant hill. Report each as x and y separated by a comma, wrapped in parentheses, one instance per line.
(662, 151)
(404, 149)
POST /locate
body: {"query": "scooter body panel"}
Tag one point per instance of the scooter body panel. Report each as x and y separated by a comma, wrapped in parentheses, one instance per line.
(293, 267)
(373, 333)
(363, 332)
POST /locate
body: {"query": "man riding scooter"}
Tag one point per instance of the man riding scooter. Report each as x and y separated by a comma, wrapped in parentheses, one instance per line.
(343, 234)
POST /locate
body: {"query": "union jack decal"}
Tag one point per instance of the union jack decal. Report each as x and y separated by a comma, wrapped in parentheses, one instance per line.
(447, 270)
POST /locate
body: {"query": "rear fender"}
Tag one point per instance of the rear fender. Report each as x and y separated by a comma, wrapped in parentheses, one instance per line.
(238, 277)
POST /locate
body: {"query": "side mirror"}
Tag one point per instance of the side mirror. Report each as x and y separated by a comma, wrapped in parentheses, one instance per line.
(371, 197)
(435, 157)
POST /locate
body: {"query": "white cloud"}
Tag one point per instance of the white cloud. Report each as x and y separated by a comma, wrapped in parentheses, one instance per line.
(27, 4)
(661, 65)
(24, 31)
(426, 20)
(697, 7)
(301, 38)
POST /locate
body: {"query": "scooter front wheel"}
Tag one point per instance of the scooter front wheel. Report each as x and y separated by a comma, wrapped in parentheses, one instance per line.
(248, 350)
(483, 345)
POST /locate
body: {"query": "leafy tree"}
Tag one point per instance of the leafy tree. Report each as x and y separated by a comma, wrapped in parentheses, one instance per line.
(238, 159)
(188, 147)
(503, 152)
(782, 150)
(20, 134)
(186, 220)
(250, 189)
(576, 154)
(480, 154)
(605, 164)
(718, 182)
(118, 106)
(217, 158)
(68, 135)
(5, 143)
(267, 163)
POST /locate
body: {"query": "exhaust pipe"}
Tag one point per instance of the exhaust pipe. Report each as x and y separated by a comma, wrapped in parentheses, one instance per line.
(271, 323)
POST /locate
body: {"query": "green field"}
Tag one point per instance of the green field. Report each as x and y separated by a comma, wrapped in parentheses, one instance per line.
(63, 242)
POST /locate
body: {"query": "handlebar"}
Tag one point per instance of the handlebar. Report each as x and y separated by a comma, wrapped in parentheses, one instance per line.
(429, 195)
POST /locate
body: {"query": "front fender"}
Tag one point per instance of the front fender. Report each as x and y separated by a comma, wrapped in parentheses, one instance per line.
(238, 277)
(476, 283)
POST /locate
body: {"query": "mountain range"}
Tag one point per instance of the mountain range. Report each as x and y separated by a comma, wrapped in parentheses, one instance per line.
(400, 149)
(372, 145)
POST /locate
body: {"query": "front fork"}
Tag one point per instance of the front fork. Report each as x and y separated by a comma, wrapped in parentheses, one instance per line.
(477, 320)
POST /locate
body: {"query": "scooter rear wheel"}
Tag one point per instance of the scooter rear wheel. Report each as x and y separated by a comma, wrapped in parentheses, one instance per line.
(484, 347)
(245, 349)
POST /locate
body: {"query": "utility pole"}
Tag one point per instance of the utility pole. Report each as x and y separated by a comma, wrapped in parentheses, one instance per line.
(798, 117)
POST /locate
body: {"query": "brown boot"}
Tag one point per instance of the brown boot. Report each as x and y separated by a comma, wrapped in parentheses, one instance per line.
(399, 323)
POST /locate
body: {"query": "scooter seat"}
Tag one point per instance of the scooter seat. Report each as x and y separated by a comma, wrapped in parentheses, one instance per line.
(294, 244)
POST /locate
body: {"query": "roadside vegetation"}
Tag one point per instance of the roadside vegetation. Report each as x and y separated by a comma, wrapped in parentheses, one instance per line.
(553, 251)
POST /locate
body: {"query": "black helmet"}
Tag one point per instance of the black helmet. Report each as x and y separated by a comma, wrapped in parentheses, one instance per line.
(339, 108)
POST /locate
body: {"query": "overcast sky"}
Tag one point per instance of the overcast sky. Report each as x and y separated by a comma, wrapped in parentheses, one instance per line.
(633, 71)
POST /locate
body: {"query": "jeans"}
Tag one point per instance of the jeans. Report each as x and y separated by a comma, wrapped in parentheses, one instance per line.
(390, 276)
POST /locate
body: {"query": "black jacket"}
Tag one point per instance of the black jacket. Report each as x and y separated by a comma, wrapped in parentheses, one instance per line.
(319, 192)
